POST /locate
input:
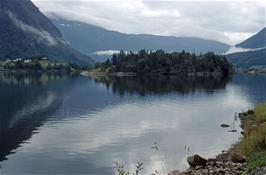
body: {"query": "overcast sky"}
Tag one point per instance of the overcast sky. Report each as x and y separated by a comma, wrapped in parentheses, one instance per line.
(225, 21)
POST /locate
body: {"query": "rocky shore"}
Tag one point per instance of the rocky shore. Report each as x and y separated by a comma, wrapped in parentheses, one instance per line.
(224, 164)
(230, 162)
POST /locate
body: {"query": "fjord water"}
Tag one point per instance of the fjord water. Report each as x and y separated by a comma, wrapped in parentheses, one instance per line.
(77, 125)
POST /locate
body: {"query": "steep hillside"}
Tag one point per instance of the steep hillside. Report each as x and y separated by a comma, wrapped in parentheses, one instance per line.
(26, 32)
(254, 54)
(256, 41)
(89, 39)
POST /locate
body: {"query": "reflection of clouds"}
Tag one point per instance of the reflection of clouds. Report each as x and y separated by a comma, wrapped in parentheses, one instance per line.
(233, 99)
(110, 126)
(127, 131)
(41, 103)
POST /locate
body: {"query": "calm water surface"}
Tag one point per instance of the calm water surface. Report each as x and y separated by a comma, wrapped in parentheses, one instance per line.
(76, 125)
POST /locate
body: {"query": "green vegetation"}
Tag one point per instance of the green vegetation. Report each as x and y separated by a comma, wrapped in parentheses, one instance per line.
(161, 62)
(120, 169)
(253, 144)
(36, 65)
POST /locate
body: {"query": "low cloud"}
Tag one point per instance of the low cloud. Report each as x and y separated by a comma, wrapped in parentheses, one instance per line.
(240, 49)
(106, 52)
(42, 35)
(225, 21)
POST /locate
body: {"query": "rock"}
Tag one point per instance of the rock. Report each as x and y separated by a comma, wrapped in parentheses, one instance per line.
(196, 160)
(225, 125)
(233, 130)
(175, 172)
(205, 171)
(217, 166)
(198, 167)
(259, 171)
(218, 163)
(237, 157)
(250, 112)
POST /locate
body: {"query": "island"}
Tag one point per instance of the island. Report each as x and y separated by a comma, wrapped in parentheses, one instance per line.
(160, 62)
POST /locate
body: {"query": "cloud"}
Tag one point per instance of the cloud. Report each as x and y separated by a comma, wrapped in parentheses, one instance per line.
(239, 49)
(220, 20)
(42, 35)
(106, 52)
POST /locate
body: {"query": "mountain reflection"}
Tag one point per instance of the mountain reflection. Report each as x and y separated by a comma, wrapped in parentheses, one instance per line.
(160, 85)
(25, 105)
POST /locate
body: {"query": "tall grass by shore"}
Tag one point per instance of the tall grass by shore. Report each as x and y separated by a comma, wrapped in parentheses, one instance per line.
(253, 145)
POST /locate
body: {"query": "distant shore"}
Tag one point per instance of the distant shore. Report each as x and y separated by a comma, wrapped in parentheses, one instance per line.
(255, 71)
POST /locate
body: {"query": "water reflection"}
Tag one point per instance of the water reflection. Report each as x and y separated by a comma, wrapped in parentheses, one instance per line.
(161, 85)
(252, 86)
(31, 79)
(25, 105)
(76, 125)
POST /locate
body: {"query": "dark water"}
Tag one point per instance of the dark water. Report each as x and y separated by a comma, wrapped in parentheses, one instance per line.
(76, 125)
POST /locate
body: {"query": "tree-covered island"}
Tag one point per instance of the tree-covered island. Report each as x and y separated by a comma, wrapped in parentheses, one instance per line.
(163, 63)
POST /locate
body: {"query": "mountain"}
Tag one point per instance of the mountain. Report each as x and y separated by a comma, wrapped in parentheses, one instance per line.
(256, 41)
(245, 60)
(254, 54)
(90, 39)
(26, 32)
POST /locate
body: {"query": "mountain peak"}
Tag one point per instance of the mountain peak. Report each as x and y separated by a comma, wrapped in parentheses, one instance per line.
(257, 41)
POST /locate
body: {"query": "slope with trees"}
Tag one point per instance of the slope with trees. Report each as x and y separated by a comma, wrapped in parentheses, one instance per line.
(25, 32)
(255, 56)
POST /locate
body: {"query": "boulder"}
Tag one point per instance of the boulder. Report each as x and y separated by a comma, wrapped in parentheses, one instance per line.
(196, 160)
(237, 157)
(225, 125)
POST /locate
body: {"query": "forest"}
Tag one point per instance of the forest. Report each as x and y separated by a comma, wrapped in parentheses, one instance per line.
(164, 63)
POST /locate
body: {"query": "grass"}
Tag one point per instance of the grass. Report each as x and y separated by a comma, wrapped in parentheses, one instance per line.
(260, 112)
(120, 169)
(257, 159)
(253, 144)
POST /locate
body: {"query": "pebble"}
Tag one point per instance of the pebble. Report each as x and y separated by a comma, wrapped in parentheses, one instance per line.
(215, 167)
(259, 171)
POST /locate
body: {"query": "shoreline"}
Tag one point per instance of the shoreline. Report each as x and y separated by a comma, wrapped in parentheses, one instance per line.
(230, 162)
(133, 74)
(39, 72)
